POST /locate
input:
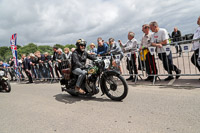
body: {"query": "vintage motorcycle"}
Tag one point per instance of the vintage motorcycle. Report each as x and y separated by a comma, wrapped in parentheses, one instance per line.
(98, 75)
(4, 82)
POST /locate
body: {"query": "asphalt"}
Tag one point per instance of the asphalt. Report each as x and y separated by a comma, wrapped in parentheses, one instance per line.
(43, 108)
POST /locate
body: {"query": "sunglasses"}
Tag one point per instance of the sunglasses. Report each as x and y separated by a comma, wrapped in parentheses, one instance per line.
(82, 45)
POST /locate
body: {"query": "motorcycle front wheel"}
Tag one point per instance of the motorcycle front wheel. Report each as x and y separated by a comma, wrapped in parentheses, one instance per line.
(7, 86)
(115, 87)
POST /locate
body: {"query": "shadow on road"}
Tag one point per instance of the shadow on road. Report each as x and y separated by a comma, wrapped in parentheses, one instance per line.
(68, 99)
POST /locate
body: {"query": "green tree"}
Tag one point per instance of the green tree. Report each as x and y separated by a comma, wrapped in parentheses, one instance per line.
(30, 48)
(70, 46)
(3, 51)
(8, 55)
(59, 46)
(18, 46)
(44, 48)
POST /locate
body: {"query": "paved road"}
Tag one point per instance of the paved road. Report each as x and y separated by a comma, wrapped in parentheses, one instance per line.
(43, 108)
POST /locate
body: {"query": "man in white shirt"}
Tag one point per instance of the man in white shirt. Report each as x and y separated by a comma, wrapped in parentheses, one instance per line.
(159, 38)
(196, 47)
(131, 46)
(149, 59)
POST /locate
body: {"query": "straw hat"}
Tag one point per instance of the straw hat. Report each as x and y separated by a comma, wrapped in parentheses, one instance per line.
(92, 44)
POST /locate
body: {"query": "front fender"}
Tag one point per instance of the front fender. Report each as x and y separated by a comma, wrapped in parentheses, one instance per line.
(4, 78)
(110, 72)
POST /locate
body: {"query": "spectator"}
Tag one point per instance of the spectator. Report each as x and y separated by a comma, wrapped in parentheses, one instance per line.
(3, 67)
(54, 52)
(40, 62)
(196, 47)
(60, 57)
(20, 69)
(176, 35)
(6, 66)
(149, 59)
(131, 46)
(54, 59)
(93, 50)
(47, 60)
(73, 49)
(68, 54)
(115, 49)
(102, 47)
(1, 64)
(27, 67)
(12, 70)
(159, 38)
(33, 64)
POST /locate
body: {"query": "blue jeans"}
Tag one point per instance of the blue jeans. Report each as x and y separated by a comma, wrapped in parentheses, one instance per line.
(167, 62)
(81, 76)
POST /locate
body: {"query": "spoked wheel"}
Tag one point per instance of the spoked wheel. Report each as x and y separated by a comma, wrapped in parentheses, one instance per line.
(116, 87)
(6, 86)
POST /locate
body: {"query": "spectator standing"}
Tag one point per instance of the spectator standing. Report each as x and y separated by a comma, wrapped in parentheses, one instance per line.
(60, 57)
(40, 62)
(196, 47)
(151, 67)
(159, 38)
(115, 49)
(27, 67)
(68, 54)
(47, 60)
(54, 60)
(131, 46)
(33, 64)
(176, 35)
(12, 70)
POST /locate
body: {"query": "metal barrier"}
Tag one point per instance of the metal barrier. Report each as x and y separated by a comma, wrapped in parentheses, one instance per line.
(48, 71)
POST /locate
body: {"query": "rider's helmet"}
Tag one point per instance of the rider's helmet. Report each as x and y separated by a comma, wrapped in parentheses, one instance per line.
(81, 42)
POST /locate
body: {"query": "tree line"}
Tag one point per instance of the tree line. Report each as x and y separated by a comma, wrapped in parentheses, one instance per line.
(6, 53)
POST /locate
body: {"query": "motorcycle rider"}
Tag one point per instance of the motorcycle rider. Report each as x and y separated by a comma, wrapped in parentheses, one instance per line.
(79, 57)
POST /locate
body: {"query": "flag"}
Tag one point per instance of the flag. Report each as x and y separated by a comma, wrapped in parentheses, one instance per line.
(13, 43)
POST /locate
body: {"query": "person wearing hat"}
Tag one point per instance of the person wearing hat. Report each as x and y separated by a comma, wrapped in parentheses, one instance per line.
(93, 50)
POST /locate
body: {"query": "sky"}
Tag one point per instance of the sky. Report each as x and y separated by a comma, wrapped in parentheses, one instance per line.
(49, 22)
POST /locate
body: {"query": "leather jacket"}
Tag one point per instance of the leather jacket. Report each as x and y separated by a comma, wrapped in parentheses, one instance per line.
(79, 59)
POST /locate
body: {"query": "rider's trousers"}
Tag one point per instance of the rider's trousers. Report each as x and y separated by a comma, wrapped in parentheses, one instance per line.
(81, 76)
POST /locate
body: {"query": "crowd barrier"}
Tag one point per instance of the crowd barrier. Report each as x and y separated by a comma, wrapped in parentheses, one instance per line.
(52, 71)
(182, 60)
